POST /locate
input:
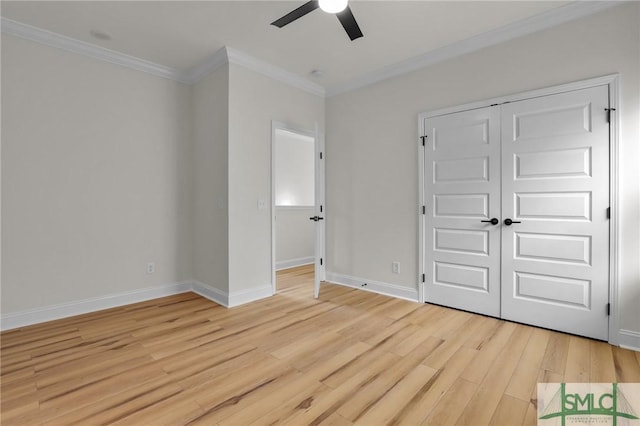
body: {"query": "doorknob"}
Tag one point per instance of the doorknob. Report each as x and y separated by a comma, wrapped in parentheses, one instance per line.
(508, 221)
(316, 218)
(493, 221)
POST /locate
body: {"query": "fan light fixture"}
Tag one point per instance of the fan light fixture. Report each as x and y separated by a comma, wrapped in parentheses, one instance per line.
(333, 6)
(339, 8)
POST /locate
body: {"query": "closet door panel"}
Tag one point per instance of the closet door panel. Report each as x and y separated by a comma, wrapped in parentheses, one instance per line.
(462, 188)
(555, 187)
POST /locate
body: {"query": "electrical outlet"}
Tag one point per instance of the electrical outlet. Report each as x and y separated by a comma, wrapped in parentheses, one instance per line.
(151, 267)
(395, 267)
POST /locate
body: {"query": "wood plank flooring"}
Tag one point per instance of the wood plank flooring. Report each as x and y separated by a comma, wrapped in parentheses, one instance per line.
(350, 357)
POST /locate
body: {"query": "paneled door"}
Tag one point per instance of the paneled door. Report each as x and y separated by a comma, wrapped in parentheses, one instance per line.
(516, 217)
(555, 189)
(462, 193)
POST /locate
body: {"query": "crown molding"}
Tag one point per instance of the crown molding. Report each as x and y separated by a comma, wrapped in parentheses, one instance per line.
(571, 11)
(192, 76)
(233, 56)
(214, 62)
(574, 10)
(243, 59)
(60, 41)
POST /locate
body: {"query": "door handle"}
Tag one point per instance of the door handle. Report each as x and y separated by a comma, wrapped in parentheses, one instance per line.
(493, 221)
(316, 218)
(508, 221)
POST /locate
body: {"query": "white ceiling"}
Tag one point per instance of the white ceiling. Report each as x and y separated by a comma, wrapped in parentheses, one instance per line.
(184, 34)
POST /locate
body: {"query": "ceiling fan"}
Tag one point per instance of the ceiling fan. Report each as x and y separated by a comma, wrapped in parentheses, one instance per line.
(339, 7)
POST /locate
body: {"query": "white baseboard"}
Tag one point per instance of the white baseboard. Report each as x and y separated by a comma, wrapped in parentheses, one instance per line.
(292, 263)
(234, 299)
(250, 295)
(64, 310)
(629, 339)
(215, 295)
(374, 286)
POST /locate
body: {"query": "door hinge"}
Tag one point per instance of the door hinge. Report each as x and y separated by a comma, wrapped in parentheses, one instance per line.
(609, 113)
(321, 156)
(320, 261)
(423, 138)
(424, 209)
(608, 212)
(608, 309)
(424, 277)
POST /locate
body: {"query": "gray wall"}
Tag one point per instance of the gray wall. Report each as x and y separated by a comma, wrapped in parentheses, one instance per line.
(96, 178)
(211, 181)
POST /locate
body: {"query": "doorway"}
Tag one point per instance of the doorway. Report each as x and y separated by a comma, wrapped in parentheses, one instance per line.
(297, 202)
(517, 210)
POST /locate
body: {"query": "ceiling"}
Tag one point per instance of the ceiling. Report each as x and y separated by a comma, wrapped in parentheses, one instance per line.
(184, 34)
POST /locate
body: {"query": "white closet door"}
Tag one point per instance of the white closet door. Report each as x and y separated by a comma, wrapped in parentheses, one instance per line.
(555, 168)
(462, 188)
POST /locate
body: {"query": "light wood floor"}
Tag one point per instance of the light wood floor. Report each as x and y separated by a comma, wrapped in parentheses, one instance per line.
(349, 357)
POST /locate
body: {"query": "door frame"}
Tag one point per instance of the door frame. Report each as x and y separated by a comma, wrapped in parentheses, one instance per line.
(319, 249)
(612, 81)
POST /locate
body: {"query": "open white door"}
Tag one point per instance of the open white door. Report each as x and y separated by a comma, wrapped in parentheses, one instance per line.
(320, 265)
(297, 190)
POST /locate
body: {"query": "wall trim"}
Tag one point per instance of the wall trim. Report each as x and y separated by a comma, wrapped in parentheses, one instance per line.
(292, 263)
(379, 287)
(221, 57)
(199, 72)
(610, 79)
(215, 295)
(250, 295)
(230, 300)
(243, 59)
(551, 18)
(542, 21)
(79, 307)
(69, 44)
(94, 304)
(629, 339)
